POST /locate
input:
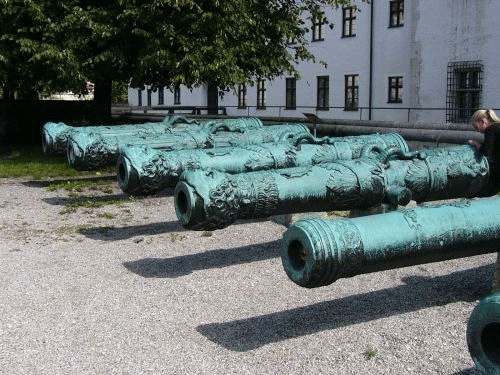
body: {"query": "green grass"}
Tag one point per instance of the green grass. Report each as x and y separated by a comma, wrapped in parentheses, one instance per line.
(30, 161)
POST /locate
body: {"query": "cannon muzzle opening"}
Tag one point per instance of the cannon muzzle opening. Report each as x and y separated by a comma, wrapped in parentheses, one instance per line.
(127, 176)
(483, 334)
(188, 206)
(307, 252)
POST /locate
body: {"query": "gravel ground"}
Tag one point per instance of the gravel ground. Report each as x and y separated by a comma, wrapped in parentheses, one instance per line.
(124, 289)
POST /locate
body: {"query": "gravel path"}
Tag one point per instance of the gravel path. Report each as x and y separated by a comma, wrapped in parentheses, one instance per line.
(124, 289)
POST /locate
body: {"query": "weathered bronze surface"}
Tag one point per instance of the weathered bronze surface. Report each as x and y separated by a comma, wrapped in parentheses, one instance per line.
(317, 252)
(483, 334)
(55, 136)
(89, 152)
(143, 170)
(213, 199)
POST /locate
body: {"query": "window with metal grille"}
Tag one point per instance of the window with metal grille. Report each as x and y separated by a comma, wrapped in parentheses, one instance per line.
(177, 94)
(261, 94)
(396, 13)
(291, 93)
(395, 90)
(351, 92)
(348, 22)
(242, 96)
(323, 92)
(149, 91)
(463, 94)
(317, 29)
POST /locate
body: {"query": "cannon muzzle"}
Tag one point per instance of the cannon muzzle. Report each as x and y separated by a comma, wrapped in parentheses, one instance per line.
(483, 334)
(317, 252)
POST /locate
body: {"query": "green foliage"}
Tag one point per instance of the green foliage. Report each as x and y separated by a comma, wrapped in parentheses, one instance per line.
(59, 45)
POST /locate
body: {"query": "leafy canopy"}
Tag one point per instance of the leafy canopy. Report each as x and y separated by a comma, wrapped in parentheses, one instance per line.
(59, 45)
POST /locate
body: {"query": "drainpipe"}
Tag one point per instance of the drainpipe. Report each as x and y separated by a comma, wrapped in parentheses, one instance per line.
(371, 63)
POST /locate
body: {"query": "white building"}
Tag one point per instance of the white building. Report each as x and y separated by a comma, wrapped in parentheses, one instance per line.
(399, 60)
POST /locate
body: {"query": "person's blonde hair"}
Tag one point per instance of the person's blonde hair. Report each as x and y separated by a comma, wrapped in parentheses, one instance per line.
(481, 113)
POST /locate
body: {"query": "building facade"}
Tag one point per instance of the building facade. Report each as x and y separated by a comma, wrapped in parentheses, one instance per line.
(391, 60)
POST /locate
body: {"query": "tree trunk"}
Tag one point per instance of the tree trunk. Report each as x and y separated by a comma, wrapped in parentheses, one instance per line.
(102, 101)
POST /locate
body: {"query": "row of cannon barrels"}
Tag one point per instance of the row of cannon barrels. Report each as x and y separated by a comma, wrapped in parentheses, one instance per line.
(237, 169)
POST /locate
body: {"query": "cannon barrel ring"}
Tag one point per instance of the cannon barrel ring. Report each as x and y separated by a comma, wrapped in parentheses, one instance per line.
(126, 174)
(188, 205)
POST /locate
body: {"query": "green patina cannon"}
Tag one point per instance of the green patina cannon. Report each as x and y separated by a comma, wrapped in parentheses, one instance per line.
(143, 170)
(317, 252)
(483, 334)
(86, 152)
(55, 136)
(212, 199)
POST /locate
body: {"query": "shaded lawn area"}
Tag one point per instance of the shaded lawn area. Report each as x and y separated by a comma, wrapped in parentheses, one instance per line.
(30, 161)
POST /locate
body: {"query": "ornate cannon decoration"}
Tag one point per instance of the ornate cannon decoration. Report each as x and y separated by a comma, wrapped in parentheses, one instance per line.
(143, 170)
(483, 334)
(317, 252)
(94, 152)
(213, 199)
(55, 136)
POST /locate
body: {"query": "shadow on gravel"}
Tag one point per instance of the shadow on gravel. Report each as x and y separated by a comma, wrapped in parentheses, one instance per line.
(184, 265)
(111, 233)
(418, 293)
(469, 371)
(62, 201)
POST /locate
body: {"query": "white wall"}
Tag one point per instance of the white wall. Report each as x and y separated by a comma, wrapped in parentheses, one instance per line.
(434, 34)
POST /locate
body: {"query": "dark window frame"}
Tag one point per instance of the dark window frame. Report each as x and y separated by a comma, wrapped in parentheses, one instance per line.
(317, 29)
(139, 97)
(349, 16)
(177, 94)
(261, 94)
(395, 92)
(291, 93)
(161, 96)
(351, 96)
(464, 90)
(149, 95)
(396, 13)
(323, 93)
(242, 96)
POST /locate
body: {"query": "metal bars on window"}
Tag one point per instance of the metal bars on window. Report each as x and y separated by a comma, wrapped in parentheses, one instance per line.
(261, 94)
(464, 89)
(395, 90)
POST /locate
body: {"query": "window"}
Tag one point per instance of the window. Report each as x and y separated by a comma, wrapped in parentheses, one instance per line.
(242, 96)
(323, 93)
(149, 91)
(463, 94)
(261, 94)
(161, 96)
(349, 22)
(351, 92)
(395, 90)
(139, 97)
(177, 94)
(396, 13)
(291, 93)
(317, 29)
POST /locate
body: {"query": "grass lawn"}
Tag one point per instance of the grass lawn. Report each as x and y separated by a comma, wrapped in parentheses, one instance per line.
(31, 162)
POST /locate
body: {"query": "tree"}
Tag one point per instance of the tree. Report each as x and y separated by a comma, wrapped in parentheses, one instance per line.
(59, 45)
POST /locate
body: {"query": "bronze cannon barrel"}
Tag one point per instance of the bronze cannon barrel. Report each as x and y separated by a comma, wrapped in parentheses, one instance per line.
(212, 199)
(91, 152)
(317, 252)
(144, 170)
(483, 334)
(55, 136)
